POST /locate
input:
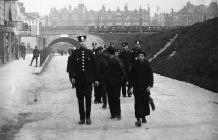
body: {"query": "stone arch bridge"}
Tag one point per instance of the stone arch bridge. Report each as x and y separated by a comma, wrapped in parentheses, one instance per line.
(67, 34)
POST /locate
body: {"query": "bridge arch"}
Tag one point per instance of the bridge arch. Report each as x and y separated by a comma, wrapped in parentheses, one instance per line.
(64, 39)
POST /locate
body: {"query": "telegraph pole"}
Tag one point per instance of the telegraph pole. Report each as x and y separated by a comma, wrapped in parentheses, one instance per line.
(140, 18)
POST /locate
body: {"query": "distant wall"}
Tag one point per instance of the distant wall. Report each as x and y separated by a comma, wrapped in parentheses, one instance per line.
(31, 40)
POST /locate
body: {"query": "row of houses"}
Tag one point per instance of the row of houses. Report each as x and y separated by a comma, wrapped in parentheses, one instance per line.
(16, 26)
(80, 16)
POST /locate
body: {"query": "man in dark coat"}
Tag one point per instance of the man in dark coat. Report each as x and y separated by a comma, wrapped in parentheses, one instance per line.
(82, 70)
(125, 57)
(70, 51)
(35, 55)
(141, 78)
(114, 76)
(100, 91)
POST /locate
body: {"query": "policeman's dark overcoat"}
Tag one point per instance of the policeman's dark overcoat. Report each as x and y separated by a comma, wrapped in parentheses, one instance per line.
(82, 66)
(126, 57)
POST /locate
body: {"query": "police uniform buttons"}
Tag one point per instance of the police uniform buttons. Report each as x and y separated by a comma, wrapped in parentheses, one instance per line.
(83, 69)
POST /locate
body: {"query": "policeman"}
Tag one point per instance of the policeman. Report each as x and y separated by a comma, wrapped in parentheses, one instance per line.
(135, 50)
(82, 68)
(125, 57)
(94, 46)
(112, 44)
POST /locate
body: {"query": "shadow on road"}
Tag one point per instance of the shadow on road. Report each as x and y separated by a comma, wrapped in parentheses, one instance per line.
(9, 130)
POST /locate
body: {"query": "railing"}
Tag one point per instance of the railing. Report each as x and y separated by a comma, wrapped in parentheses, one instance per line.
(44, 54)
(129, 29)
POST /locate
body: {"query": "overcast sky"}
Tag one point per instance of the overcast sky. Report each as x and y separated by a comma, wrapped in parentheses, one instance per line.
(43, 6)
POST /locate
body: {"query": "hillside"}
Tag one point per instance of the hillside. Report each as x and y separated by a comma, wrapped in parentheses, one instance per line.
(193, 57)
(151, 42)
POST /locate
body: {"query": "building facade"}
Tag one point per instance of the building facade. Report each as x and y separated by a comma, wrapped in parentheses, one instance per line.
(188, 15)
(31, 36)
(8, 30)
(80, 16)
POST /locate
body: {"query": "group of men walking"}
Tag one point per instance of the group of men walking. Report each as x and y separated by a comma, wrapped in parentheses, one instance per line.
(109, 70)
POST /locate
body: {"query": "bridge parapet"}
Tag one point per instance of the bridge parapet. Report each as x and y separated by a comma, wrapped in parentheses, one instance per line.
(50, 30)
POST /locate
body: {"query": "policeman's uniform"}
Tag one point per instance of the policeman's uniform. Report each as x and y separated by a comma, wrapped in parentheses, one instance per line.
(135, 50)
(82, 68)
(125, 57)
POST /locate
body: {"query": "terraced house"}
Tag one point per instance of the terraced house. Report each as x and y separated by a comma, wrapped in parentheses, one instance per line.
(80, 16)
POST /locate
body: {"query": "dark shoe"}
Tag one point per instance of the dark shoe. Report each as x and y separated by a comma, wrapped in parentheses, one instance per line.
(112, 117)
(144, 120)
(81, 121)
(88, 121)
(124, 95)
(138, 123)
(118, 117)
(129, 95)
(104, 106)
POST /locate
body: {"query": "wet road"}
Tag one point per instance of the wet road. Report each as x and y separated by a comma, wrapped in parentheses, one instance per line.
(183, 111)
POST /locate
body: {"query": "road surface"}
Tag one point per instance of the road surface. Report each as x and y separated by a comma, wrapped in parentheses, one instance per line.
(44, 107)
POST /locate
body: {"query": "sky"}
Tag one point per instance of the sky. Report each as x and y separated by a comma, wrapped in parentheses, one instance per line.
(43, 6)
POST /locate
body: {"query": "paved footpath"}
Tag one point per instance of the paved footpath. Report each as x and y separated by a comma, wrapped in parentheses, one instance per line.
(44, 107)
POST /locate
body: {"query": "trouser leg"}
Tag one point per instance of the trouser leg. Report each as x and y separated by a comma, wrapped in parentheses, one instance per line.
(98, 94)
(36, 61)
(124, 89)
(145, 105)
(32, 60)
(80, 97)
(138, 106)
(104, 97)
(88, 97)
(117, 100)
(114, 99)
(110, 99)
(81, 107)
